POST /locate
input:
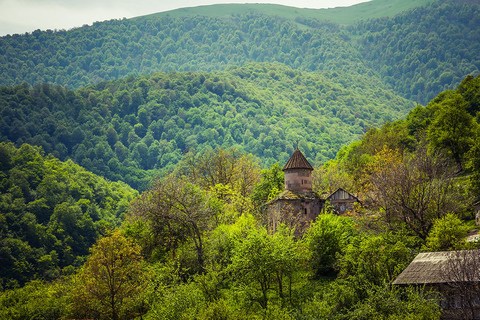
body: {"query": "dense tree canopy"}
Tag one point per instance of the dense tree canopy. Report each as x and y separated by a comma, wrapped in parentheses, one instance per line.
(51, 213)
(112, 279)
(133, 128)
(419, 53)
(195, 245)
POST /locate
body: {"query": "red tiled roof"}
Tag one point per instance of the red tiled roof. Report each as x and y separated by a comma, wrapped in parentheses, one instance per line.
(297, 161)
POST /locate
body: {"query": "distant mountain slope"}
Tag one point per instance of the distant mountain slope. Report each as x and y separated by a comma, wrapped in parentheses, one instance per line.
(122, 128)
(448, 125)
(423, 51)
(341, 15)
(165, 42)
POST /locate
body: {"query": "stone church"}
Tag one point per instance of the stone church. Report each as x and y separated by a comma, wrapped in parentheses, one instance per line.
(297, 206)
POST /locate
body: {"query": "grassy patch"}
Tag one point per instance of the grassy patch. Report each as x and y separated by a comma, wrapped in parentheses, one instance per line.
(341, 15)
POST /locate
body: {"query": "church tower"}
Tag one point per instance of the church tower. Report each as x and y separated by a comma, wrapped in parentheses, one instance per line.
(298, 173)
(297, 206)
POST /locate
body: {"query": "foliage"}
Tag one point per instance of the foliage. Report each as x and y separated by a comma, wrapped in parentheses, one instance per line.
(176, 211)
(232, 284)
(340, 300)
(474, 165)
(110, 282)
(330, 177)
(396, 303)
(264, 264)
(415, 189)
(419, 52)
(424, 126)
(208, 255)
(135, 128)
(171, 299)
(448, 233)
(375, 260)
(51, 213)
(270, 185)
(222, 241)
(228, 167)
(36, 300)
(228, 173)
(325, 239)
(452, 127)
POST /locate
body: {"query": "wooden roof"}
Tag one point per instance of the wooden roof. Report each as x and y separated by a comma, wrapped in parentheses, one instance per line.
(437, 267)
(351, 196)
(297, 161)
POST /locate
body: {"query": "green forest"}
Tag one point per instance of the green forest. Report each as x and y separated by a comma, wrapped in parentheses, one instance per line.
(51, 213)
(193, 245)
(137, 158)
(419, 53)
(135, 128)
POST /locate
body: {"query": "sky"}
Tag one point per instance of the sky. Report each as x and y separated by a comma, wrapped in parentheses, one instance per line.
(20, 16)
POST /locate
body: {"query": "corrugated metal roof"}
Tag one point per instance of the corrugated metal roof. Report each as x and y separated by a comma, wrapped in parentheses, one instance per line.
(297, 161)
(437, 267)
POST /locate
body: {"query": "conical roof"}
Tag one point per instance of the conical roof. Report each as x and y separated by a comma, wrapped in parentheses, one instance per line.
(297, 161)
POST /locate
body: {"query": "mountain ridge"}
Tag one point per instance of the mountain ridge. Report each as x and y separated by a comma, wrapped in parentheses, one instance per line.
(118, 48)
(341, 15)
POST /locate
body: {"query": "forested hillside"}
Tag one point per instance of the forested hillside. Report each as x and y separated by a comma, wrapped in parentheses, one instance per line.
(448, 127)
(199, 112)
(423, 51)
(129, 129)
(193, 245)
(420, 52)
(51, 213)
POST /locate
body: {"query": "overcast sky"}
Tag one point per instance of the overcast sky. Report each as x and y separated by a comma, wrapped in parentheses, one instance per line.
(20, 16)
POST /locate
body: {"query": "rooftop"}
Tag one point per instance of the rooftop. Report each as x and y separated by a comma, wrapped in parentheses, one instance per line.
(297, 161)
(439, 267)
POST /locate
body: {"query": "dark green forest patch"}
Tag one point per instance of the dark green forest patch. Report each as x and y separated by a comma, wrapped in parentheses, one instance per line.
(131, 129)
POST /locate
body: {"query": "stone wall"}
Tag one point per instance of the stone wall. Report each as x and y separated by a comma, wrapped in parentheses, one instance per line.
(298, 213)
(298, 180)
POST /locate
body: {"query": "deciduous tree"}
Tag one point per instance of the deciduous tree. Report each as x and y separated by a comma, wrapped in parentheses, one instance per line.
(413, 189)
(452, 128)
(264, 263)
(176, 210)
(222, 166)
(447, 233)
(111, 280)
(325, 239)
(270, 185)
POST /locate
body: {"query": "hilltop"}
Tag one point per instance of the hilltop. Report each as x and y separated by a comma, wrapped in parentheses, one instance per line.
(419, 52)
(341, 15)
